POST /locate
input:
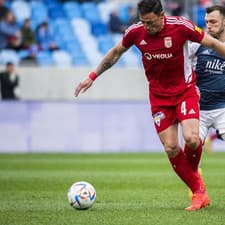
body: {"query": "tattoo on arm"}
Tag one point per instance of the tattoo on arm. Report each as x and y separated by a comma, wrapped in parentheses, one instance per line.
(110, 59)
(104, 66)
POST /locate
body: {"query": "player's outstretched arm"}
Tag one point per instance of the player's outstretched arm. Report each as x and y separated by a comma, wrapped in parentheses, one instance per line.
(108, 61)
(214, 44)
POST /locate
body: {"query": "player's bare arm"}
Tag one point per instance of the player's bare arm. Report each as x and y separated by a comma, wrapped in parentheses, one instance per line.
(108, 61)
(110, 58)
(214, 44)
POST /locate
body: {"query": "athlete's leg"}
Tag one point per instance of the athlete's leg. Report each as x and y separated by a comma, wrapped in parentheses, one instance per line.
(193, 151)
(219, 123)
(179, 161)
(167, 128)
(204, 125)
(193, 144)
(206, 122)
(188, 115)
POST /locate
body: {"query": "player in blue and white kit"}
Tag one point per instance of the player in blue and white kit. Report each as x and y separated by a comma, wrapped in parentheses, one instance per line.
(210, 70)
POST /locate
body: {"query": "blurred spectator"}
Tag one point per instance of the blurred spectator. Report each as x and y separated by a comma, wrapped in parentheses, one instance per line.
(205, 3)
(222, 2)
(115, 24)
(133, 15)
(175, 8)
(9, 81)
(3, 9)
(10, 36)
(45, 38)
(28, 39)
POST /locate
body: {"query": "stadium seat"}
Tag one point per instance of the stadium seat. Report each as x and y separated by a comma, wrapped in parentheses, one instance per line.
(130, 59)
(77, 53)
(90, 46)
(44, 58)
(60, 42)
(72, 10)
(199, 15)
(91, 12)
(9, 56)
(55, 11)
(136, 51)
(77, 23)
(21, 6)
(80, 60)
(73, 47)
(61, 58)
(63, 27)
(22, 54)
(39, 13)
(98, 29)
(117, 37)
(105, 9)
(105, 43)
(49, 2)
(124, 13)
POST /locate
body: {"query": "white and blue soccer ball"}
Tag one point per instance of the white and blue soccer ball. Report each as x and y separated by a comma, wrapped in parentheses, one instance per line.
(81, 195)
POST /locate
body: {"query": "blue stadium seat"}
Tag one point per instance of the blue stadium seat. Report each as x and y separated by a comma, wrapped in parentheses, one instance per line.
(39, 13)
(62, 32)
(21, 10)
(7, 55)
(74, 47)
(199, 15)
(91, 12)
(44, 58)
(77, 23)
(49, 2)
(105, 9)
(98, 29)
(136, 51)
(130, 59)
(72, 10)
(80, 60)
(22, 54)
(124, 13)
(62, 27)
(61, 43)
(62, 58)
(76, 51)
(55, 11)
(8, 3)
(105, 43)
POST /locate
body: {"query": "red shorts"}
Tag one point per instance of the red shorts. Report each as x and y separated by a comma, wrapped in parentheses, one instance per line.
(167, 111)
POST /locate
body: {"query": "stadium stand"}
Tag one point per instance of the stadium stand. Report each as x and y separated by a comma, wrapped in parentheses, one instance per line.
(80, 30)
(8, 55)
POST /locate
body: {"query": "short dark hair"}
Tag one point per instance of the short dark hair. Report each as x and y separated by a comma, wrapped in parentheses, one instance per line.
(9, 64)
(219, 8)
(148, 6)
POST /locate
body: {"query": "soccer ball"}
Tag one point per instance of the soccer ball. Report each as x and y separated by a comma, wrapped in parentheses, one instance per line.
(81, 195)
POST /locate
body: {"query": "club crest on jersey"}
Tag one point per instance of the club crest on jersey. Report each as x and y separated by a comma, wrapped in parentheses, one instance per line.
(168, 42)
(158, 117)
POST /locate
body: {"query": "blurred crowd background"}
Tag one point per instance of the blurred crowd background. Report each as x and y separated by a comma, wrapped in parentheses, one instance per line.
(75, 32)
(47, 47)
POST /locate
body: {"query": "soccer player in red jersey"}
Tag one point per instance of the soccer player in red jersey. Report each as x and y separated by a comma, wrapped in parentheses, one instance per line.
(174, 97)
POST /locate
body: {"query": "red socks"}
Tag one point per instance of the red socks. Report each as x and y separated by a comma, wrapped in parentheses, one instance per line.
(194, 156)
(184, 170)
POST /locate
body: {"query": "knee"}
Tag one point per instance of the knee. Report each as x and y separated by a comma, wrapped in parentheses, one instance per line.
(192, 141)
(171, 149)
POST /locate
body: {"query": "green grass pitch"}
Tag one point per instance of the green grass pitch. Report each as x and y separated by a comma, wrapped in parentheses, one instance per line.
(132, 189)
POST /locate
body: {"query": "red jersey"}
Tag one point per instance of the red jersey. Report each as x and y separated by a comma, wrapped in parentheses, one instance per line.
(165, 55)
